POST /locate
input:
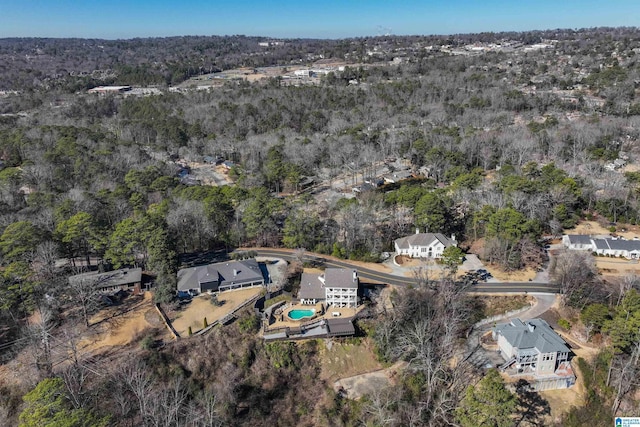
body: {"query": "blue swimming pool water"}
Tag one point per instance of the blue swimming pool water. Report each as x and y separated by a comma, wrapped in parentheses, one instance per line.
(300, 314)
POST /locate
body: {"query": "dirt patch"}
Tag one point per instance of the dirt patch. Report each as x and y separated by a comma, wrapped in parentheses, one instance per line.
(200, 307)
(593, 227)
(561, 401)
(617, 266)
(209, 174)
(511, 276)
(119, 326)
(348, 358)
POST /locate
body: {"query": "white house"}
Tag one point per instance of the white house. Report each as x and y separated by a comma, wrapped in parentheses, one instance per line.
(337, 287)
(424, 245)
(578, 242)
(619, 247)
(616, 247)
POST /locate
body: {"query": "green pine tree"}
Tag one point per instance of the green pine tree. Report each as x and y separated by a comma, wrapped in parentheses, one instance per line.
(487, 404)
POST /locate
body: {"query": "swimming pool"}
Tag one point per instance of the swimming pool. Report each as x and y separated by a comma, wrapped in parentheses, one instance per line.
(298, 314)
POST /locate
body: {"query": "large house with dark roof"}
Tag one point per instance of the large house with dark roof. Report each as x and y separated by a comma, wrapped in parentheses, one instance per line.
(424, 245)
(222, 276)
(531, 347)
(337, 287)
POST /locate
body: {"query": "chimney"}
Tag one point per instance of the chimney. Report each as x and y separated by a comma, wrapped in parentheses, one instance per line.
(531, 327)
(417, 230)
(453, 237)
(235, 272)
(355, 275)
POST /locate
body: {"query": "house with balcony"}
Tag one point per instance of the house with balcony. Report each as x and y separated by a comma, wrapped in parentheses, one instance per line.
(336, 287)
(532, 348)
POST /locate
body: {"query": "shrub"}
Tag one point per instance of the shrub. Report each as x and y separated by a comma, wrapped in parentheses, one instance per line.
(147, 342)
(564, 324)
(249, 324)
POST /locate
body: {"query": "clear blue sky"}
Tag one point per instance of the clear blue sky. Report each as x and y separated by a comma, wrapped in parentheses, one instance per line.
(114, 19)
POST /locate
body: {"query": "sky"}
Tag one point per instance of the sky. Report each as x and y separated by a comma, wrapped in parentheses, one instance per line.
(119, 19)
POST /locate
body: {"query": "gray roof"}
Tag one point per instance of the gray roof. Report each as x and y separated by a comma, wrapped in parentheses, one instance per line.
(311, 287)
(579, 239)
(619, 244)
(232, 272)
(424, 239)
(532, 334)
(341, 278)
(125, 276)
(340, 326)
(601, 243)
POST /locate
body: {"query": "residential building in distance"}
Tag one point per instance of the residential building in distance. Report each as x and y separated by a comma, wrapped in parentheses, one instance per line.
(222, 276)
(126, 279)
(578, 242)
(424, 245)
(337, 287)
(612, 246)
(532, 348)
(109, 89)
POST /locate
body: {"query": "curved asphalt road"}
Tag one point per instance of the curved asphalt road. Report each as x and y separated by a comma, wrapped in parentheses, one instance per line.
(391, 279)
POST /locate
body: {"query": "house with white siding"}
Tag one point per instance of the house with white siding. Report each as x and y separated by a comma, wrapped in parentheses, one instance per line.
(424, 245)
(578, 242)
(612, 246)
(336, 287)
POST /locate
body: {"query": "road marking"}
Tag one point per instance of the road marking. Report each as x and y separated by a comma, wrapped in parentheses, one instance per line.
(390, 279)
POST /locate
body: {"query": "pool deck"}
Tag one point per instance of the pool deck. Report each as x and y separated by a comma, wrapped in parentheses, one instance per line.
(282, 320)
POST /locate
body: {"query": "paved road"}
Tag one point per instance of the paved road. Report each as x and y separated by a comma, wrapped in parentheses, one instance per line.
(375, 276)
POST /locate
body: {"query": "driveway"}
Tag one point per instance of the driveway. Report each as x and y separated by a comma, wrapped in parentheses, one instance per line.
(471, 263)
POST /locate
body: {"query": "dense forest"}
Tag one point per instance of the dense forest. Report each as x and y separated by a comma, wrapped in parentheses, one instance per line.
(506, 148)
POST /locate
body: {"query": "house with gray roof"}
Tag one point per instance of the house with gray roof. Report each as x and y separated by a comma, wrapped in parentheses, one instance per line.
(424, 245)
(578, 242)
(125, 279)
(618, 247)
(337, 287)
(531, 347)
(612, 246)
(222, 276)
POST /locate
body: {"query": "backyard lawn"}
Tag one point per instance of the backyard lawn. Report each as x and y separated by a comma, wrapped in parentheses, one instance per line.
(193, 314)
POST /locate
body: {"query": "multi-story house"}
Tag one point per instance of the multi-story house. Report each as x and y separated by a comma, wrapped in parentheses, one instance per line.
(337, 287)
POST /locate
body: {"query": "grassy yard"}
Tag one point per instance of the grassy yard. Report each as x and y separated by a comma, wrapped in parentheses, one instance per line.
(492, 306)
